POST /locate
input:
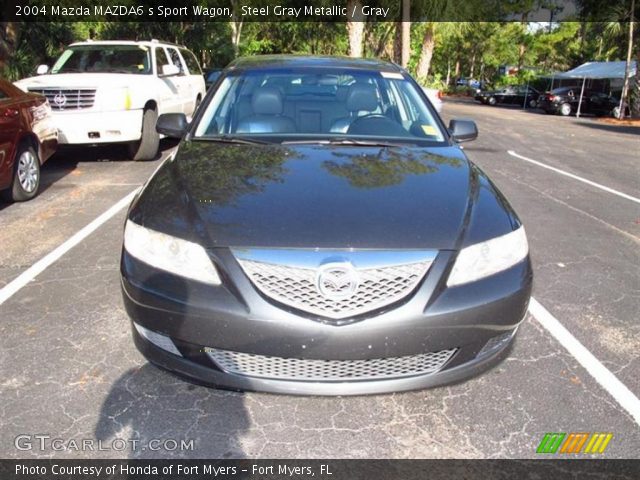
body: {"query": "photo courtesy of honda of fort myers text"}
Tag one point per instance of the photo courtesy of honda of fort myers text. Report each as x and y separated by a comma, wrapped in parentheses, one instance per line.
(338, 240)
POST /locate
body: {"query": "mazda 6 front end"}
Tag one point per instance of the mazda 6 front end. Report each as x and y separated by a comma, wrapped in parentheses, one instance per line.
(319, 231)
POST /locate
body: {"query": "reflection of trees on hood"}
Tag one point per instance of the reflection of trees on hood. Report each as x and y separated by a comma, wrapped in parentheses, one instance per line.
(387, 167)
(218, 174)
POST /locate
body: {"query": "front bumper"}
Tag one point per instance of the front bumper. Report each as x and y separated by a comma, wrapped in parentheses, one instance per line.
(236, 318)
(90, 127)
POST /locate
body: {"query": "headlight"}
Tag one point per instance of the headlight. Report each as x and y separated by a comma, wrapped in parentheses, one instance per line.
(168, 253)
(115, 99)
(486, 258)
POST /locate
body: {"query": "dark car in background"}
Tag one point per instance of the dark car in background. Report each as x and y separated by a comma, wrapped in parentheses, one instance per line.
(522, 95)
(566, 100)
(320, 231)
(210, 76)
(27, 139)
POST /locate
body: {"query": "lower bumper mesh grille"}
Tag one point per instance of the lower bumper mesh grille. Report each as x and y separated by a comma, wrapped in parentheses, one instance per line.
(278, 368)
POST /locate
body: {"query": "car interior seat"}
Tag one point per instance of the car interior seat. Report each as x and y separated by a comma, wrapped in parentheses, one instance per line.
(361, 97)
(267, 106)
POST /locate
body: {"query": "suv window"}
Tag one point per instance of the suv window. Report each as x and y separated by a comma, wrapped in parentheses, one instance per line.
(104, 59)
(190, 60)
(174, 56)
(161, 59)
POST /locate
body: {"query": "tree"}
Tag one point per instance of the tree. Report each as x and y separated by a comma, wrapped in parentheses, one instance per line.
(627, 69)
(406, 33)
(355, 28)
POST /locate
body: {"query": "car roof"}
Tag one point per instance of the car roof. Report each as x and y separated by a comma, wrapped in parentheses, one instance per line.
(314, 61)
(147, 43)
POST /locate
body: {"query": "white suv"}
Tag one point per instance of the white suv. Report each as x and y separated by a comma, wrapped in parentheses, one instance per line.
(114, 91)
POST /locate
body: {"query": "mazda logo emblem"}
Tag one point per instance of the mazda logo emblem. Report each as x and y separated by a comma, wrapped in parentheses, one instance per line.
(337, 280)
(60, 100)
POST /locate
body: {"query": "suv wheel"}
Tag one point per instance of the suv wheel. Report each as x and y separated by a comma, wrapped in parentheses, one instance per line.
(533, 103)
(147, 147)
(492, 100)
(565, 109)
(26, 175)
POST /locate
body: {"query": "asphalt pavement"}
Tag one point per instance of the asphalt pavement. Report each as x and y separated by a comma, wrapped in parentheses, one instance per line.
(70, 371)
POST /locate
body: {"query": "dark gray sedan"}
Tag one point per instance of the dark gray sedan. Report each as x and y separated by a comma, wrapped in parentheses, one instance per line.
(320, 231)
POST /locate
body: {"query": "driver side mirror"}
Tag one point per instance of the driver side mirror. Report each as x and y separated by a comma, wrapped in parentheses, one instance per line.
(42, 69)
(170, 70)
(463, 130)
(173, 125)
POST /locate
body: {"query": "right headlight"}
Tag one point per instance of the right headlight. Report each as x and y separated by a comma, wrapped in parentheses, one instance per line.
(487, 258)
(169, 253)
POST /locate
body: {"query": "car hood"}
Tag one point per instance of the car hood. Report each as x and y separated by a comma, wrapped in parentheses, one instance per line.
(78, 80)
(319, 197)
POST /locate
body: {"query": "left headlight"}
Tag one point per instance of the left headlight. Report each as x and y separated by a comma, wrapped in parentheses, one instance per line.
(169, 253)
(486, 258)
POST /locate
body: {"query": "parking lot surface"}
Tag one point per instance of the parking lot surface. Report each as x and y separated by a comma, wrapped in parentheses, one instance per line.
(70, 370)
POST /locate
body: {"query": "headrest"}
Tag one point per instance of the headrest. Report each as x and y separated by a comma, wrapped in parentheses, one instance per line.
(362, 96)
(267, 101)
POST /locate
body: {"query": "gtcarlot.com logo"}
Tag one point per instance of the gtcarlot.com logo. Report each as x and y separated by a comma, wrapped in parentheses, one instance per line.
(574, 443)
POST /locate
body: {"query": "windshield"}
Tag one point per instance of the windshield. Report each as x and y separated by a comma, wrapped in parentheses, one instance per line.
(104, 59)
(282, 105)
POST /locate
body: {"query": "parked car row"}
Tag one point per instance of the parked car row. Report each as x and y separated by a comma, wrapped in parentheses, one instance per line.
(563, 101)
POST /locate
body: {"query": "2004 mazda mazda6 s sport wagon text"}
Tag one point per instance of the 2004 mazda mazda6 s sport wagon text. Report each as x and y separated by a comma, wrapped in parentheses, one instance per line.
(320, 231)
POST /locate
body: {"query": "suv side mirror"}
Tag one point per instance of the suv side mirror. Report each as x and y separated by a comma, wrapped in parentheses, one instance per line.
(170, 70)
(42, 69)
(173, 125)
(463, 130)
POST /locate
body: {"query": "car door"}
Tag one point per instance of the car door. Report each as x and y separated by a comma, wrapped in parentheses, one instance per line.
(9, 129)
(169, 95)
(194, 77)
(181, 81)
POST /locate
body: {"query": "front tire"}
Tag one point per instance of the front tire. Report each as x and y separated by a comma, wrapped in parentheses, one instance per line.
(492, 101)
(565, 109)
(533, 103)
(26, 175)
(147, 147)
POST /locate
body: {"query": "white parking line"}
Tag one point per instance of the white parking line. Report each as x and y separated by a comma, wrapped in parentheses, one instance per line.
(37, 268)
(607, 380)
(575, 177)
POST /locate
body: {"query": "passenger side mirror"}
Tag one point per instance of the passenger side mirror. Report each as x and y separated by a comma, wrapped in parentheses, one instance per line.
(173, 125)
(170, 70)
(42, 69)
(463, 130)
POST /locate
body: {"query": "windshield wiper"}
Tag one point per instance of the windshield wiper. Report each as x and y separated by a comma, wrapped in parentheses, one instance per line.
(346, 141)
(236, 140)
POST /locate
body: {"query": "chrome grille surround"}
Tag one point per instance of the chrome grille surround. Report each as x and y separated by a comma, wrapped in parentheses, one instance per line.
(278, 368)
(74, 98)
(290, 277)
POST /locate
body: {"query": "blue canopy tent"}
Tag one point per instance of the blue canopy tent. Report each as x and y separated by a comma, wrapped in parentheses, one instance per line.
(596, 70)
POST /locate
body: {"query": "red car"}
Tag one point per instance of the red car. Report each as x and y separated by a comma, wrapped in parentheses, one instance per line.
(27, 139)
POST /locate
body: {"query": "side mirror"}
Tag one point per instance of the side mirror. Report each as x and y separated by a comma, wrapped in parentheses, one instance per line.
(173, 125)
(42, 69)
(170, 70)
(463, 130)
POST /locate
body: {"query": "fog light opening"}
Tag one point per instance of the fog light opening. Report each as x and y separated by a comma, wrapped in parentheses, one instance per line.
(496, 343)
(158, 339)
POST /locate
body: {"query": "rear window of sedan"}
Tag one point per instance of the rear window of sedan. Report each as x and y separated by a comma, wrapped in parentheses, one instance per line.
(283, 103)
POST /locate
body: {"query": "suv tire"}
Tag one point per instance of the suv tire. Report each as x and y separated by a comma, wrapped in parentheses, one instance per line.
(147, 147)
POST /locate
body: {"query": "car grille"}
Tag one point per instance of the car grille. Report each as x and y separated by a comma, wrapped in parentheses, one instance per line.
(68, 99)
(296, 287)
(278, 368)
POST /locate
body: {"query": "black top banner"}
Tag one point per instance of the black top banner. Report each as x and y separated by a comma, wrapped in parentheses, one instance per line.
(313, 11)
(318, 469)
